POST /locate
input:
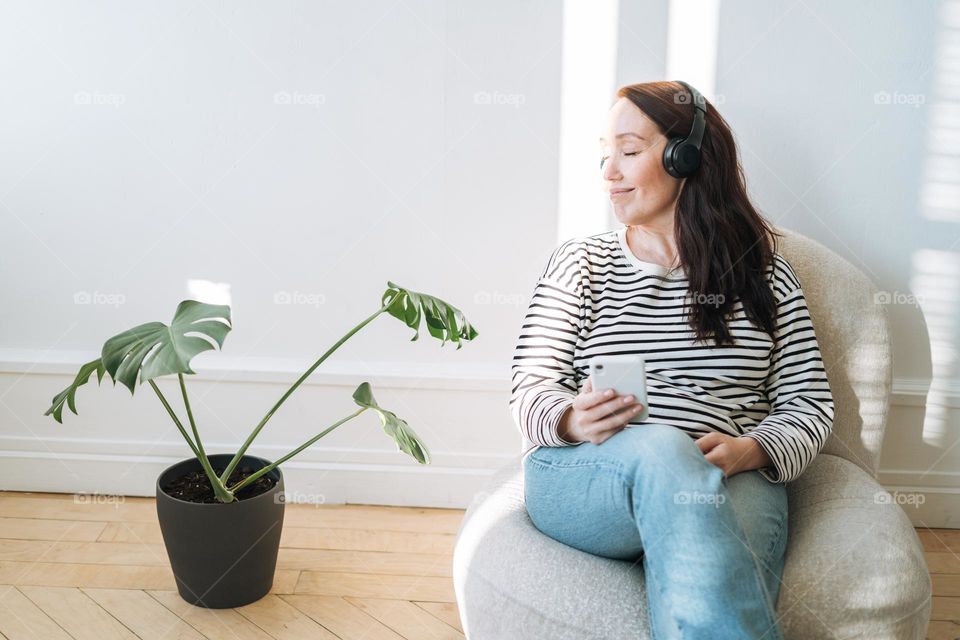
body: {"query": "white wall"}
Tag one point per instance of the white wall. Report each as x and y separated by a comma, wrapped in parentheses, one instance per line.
(390, 170)
(145, 145)
(324, 148)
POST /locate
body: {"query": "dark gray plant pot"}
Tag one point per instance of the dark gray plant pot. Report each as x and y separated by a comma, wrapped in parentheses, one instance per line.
(222, 555)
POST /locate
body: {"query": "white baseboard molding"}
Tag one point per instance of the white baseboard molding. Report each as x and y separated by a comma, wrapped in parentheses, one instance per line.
(931, 499)
(916, 392)
(305, 482)
(131, 450)
(937, 510)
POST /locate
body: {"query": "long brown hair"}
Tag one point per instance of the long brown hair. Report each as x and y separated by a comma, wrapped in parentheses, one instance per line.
(725, 244)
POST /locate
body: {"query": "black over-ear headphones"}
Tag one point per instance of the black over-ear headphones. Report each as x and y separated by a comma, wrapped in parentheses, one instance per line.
(681, 156)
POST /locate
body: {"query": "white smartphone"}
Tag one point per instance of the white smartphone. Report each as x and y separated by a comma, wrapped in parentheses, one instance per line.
(625, 374)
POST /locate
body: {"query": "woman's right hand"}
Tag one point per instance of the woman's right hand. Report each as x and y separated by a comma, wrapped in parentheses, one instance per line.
(597, 415)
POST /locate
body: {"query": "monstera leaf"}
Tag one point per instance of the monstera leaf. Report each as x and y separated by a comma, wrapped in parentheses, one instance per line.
(155, 349)
(444, 321)
(397, 428)
(68, 394)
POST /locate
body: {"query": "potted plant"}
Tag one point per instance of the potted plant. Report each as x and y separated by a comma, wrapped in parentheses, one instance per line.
(221, 515)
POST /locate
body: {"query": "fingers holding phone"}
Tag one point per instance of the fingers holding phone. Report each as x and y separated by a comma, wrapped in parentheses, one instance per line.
(597, 415)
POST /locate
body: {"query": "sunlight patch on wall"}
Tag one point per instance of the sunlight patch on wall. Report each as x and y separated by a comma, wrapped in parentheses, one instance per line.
(588, 85)
(935, 287)
(935, 276)
(209, 292)
(692, 44)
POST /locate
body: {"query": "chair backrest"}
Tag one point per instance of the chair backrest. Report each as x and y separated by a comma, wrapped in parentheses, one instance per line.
(853, 334)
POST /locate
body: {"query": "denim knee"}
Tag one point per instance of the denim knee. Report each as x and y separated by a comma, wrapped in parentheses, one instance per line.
(653, 445)
(762, 509)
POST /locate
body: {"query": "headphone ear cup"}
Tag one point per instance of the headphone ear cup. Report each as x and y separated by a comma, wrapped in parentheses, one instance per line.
(686, 159)
(680, 159)
(668, 155)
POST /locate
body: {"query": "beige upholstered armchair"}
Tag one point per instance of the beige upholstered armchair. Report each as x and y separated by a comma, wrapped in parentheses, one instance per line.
(854, 565)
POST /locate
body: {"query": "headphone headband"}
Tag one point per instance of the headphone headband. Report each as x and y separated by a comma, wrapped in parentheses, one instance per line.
(681, 156)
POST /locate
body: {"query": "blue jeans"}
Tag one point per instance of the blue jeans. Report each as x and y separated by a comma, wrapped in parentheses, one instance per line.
(712, 547)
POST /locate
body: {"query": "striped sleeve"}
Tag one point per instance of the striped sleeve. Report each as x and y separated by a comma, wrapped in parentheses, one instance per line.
(543, 378)
(801, 404)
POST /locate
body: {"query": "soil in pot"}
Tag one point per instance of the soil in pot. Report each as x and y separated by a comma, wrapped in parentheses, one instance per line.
(195, 485)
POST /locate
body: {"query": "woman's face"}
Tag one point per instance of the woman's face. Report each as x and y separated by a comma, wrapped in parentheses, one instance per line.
(640, 189)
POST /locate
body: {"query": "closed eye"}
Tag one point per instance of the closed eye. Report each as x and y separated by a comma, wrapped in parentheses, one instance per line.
(604, 158)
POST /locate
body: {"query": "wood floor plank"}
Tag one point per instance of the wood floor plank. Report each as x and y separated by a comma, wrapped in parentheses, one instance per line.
(51, 574)
(407, 619)
(307, 538)
(285, 581)
(943, 562)
(943, 630)
(21, 619)
(110, 576)
(445, 611)
(379, 562)
(388, 518)
(68, 497)
(62, 506)
(107, 553)
(39, 529)
(77, 613)
(124, 553)
(945, 608)
(140, 532)
(57, 506)
(284, 621)
(342, 618)
(945, 584)
(143, 615)
(368, 585)
(213, 623)
(369, 539)
(25, 550)
(940, 539)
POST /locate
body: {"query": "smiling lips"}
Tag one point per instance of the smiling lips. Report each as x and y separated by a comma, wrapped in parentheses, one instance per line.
(615, 193)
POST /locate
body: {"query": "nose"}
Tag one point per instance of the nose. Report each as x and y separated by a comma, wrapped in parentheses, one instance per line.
(610, 171)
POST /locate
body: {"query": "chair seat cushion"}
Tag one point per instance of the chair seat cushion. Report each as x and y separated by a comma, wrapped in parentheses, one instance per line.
(854, 568)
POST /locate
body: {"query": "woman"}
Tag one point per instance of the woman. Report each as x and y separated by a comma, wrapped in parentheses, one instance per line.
(739, 398)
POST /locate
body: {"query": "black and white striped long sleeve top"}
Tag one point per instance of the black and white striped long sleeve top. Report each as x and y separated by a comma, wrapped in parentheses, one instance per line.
(596, 297)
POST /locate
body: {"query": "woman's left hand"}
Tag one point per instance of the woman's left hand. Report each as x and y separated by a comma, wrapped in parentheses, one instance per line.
(731, 454)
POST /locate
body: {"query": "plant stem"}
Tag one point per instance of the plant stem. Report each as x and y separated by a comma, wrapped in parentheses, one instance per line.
(223, 495)
(236, 458)
(176, 420)
(269, 468)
